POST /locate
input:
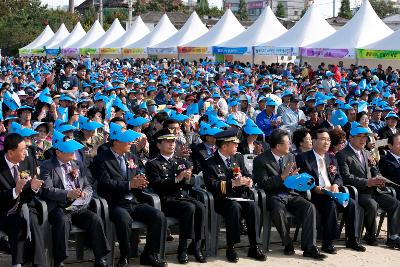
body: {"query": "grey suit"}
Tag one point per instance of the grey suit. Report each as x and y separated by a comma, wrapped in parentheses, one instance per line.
(61, 220)
(280, 199)
(357, 174)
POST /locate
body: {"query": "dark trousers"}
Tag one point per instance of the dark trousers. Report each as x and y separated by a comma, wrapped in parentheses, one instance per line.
(61, 222)
(388, 203)
(302, 209)
(38, 249)
(154, 219)
(328, 208)
(15, 228)
(191, 216)
(233, 211)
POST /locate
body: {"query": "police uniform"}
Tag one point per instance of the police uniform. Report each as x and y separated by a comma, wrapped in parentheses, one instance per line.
(162, 172)
(218, 176)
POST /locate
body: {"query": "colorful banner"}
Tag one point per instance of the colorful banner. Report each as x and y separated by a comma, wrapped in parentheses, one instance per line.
(133, 51)
(327, 52)
(275, 51)
(219, 50)
(70, 51)
(378, 54)
(161, 51)
(53, 52)
(24, 51)
(109, 51)
(90, 51)
(39, 51)
(193, 50)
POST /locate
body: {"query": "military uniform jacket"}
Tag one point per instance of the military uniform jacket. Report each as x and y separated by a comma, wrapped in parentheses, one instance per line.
(161, 174)
(218, 177)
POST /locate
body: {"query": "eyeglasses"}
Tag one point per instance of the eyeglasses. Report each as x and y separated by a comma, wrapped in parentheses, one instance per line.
(84, 106)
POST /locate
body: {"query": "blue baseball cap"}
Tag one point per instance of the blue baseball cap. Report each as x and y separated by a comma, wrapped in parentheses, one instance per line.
(206, 129)
(270, 102)
(63, 144)
(10, 101)
(118, 103)
(233, 103)
(232, 121)
(339, 118)
(85, 124)
(391, 114)
(65, 97)
(135, 122)
(193, 109)
(127, 136)
(251, 128)
(357, 129)
(215, 122)
(63, 127)
(19, 129)
(178, 117)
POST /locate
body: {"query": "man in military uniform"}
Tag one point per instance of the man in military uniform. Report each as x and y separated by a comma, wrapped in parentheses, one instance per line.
(226, 177)
(170, 178)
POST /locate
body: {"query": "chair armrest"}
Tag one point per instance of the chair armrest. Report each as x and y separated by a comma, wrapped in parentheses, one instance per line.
(353, 192)
(253, 194)
(308, 195)
(344, 189)
(95, 205)
(43, 211)
(153, 199)
(262, 200)
(392, 191)
(200, 194)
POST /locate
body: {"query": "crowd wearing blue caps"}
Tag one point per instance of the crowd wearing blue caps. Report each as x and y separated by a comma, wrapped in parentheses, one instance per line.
(205, 104)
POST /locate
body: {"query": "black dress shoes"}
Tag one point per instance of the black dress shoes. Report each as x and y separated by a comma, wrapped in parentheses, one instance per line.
(314, 252)
(355, 246)
(152, 260)
(370, 240)
(199, 256)
(393, 243)
(330, 249)
(232, 255)
(256, 253)
(100, 263)
(123, 262)
(183, 257)
(289, 250)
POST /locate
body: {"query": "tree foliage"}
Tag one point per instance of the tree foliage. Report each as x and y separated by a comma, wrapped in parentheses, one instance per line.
(383, 8)
(242, 13)
(345, 11)
(203, 9)
(280, 10)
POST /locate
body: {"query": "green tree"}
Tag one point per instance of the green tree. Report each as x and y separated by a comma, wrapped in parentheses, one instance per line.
(202, 7)
(139, 7)
(280, 10)
(242, 13)
(345, 11)
(383, 9)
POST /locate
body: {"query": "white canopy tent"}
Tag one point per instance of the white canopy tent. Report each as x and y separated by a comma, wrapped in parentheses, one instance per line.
(363, 29)
(61, 34)
(391, 42)
(191, 30)
(303, 33)
(226, 28)
(135, 32)
(46, 35)
(265, 28)
(95, 32)
(161, 32)
(113, 33)
(77, 33)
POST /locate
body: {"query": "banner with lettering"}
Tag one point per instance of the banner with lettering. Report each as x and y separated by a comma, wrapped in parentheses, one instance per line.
(53, 52)
(378, 54)
(220, 50)
(39, 51)
(133, 51)
(162, 51)
(275, 51)
(24, 52)
(328, 52)
(194, 50)
(70, 51)
(109, 51)
(90, 51)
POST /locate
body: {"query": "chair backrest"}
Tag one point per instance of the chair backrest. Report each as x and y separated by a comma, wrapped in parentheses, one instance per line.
(248, 161)
(198, 180)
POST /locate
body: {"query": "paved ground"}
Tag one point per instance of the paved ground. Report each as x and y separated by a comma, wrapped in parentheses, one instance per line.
(374, 256)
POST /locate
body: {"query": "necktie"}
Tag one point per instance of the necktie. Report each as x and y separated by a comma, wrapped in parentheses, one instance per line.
(324, 180)
(122, 166)
(228, 162)
(213, 150)
(15, 173)
(361, 158)
(280, 162)
(69, 184)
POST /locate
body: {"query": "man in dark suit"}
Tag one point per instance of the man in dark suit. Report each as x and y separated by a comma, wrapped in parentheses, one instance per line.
(121, 182)
(360, 170)
(391, 127)
(318, 163)
(18, 185)
(389, 165)
(206, 149)
(170, 177)
(65, 181)
(226, 177)
(270, 170)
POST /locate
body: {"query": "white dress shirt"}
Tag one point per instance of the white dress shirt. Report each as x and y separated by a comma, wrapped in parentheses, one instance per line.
(11, 166)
